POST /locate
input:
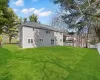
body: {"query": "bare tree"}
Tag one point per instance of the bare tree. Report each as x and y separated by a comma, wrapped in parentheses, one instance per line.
(57, 22)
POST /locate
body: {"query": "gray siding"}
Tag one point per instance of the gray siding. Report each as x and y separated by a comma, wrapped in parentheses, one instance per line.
(37, 34)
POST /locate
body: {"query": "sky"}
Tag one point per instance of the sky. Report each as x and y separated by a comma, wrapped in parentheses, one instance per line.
(44, 9)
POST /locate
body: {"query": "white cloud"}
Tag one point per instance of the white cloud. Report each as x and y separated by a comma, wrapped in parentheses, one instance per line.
(19, 3)
(27, 11)
(38, 12)
(46, 13)
(15, 10)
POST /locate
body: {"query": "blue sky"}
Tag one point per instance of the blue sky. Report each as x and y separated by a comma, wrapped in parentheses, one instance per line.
(43, 8)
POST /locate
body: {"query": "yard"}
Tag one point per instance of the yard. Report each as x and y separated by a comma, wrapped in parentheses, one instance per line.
(49, 63)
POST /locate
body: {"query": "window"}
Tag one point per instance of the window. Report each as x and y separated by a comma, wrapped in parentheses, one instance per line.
(47, 32)
(41, 40)
(30, 41)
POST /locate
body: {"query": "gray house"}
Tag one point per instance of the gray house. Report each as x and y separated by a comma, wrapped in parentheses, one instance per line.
(33, 34)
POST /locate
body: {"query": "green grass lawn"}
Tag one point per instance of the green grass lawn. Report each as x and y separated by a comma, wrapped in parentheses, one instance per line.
(49, 63)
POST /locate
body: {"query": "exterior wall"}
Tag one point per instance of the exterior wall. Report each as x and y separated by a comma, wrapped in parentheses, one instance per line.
(37, 34)
(28, 33)
(58, 38)
(46, 38)
(98, 47)
(21, 36)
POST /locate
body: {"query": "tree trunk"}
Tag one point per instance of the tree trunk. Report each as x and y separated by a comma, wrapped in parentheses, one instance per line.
(79, 41)
(0, 43)
(87, 40)
(10, 38)
(97, 30)
(98, 34)
(73, 42)
(87, 34)
(99, 38)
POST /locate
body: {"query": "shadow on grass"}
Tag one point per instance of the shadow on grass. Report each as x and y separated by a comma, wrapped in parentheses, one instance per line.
(5, 56)
(48, 68)
(50, 74)
(87, 69)
(58, 64)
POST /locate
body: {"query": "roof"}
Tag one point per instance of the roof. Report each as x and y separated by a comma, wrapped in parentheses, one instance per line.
(40, 26)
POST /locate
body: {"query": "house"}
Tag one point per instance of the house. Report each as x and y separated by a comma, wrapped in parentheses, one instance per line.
(69, 39)
(36, 35)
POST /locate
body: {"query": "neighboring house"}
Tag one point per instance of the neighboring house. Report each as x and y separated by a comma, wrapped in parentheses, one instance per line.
(69, 39)
(36, 35)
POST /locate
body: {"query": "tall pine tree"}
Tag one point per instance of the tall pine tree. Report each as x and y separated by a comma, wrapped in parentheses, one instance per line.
(3, 13)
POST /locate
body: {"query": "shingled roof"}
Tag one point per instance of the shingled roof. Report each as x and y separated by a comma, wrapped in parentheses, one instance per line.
(40, 26)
